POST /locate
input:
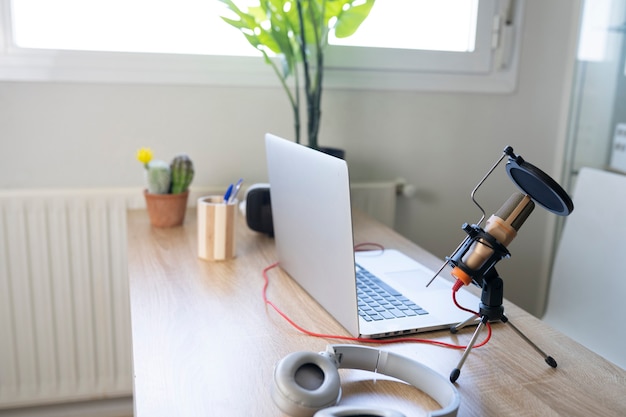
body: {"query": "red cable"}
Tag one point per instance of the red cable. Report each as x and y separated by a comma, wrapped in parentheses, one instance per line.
(457, 285)
(364, 246)
(358, 339)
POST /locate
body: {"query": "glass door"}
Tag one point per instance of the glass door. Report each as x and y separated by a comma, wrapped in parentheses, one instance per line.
(597, 120)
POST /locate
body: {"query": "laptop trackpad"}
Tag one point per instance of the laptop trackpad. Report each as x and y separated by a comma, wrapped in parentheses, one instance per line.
(415, 280)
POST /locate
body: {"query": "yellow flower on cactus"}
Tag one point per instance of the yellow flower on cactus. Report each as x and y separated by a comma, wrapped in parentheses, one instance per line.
(144, 155)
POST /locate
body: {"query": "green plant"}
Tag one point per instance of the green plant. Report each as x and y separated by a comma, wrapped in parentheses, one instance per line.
(296, 31)
(158, 176)
(164, 178)
(182, 173)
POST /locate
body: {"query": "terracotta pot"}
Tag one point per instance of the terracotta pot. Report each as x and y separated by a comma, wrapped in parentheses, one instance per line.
(166, 210)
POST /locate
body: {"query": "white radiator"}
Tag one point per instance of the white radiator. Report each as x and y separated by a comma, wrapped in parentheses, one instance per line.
(64, 302)
(378, 199)
(64, 312)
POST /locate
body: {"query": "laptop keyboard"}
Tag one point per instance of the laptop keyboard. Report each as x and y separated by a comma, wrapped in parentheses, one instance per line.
(379, 301)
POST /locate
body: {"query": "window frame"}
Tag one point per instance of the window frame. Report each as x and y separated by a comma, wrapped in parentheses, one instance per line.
(491, 68)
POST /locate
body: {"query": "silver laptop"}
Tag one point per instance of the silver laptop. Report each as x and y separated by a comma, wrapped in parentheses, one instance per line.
(312, 215)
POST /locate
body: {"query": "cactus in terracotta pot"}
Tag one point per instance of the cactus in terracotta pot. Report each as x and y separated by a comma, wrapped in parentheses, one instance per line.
(182, 172)
(159, 176)
(168, 188)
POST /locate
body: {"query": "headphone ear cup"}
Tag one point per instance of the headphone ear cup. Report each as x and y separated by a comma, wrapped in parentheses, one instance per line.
(305, 382)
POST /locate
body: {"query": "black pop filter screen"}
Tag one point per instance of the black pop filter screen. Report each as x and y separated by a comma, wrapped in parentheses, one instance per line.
(539, 186)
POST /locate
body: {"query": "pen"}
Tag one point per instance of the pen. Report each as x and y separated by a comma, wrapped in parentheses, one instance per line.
(229, 190)
(233, 196)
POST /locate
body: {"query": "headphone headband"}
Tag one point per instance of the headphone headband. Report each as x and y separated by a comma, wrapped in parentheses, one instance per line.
(403, 368)
(296, 401)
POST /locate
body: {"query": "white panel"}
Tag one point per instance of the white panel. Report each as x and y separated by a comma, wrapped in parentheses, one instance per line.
(64, 297)
(8, 362)
(587, 286)
(19, 297)
(38, 240)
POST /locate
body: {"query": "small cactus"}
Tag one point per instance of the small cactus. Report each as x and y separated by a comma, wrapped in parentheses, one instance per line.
(182, 173)
(158, 176)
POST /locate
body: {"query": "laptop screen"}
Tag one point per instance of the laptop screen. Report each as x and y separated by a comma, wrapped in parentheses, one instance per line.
(310, 196)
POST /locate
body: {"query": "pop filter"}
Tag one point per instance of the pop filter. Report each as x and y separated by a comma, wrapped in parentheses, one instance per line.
(538, 185)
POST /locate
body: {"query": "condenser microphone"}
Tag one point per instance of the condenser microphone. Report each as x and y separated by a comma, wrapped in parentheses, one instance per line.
(481, 249)
(503, 227)
(474, 259)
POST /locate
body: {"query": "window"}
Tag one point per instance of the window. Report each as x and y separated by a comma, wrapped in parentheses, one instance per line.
(141, 26)
(172, 41)
(188, 28)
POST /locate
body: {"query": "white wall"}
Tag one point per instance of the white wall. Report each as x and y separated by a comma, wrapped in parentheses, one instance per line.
(86, 135)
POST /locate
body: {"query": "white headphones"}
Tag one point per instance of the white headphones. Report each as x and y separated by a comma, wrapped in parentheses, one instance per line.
(306, 383)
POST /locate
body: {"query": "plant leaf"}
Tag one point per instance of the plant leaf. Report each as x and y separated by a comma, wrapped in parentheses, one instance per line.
(348, 21)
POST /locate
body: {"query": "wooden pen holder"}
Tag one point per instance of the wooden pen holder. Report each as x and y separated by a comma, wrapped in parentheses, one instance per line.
(216, 228)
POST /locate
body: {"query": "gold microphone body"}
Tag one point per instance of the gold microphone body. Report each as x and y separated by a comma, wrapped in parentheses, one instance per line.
(503, 226)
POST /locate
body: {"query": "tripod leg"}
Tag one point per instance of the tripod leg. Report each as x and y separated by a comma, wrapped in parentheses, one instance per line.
(454, 375)
(455, 329)
(549, 359)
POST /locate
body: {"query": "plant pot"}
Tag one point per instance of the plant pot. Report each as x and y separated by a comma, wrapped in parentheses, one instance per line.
(166, 210)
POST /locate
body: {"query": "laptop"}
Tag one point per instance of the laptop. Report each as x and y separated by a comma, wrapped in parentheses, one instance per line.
(312, 215)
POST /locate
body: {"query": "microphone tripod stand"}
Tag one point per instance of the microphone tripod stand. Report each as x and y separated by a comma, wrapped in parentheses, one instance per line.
(490, 310)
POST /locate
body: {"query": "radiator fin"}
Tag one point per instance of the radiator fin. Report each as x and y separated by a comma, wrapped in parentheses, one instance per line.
(378, 199)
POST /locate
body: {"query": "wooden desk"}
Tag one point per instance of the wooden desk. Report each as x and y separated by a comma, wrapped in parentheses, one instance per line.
(204, 343)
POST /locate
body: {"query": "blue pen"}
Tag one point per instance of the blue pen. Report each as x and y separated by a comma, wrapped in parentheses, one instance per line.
(235, 191)
(227, 194)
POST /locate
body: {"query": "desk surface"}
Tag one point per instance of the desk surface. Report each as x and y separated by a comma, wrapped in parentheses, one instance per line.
(204, 343)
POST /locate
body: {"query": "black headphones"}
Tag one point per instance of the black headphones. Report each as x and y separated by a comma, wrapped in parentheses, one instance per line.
(307, 383)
